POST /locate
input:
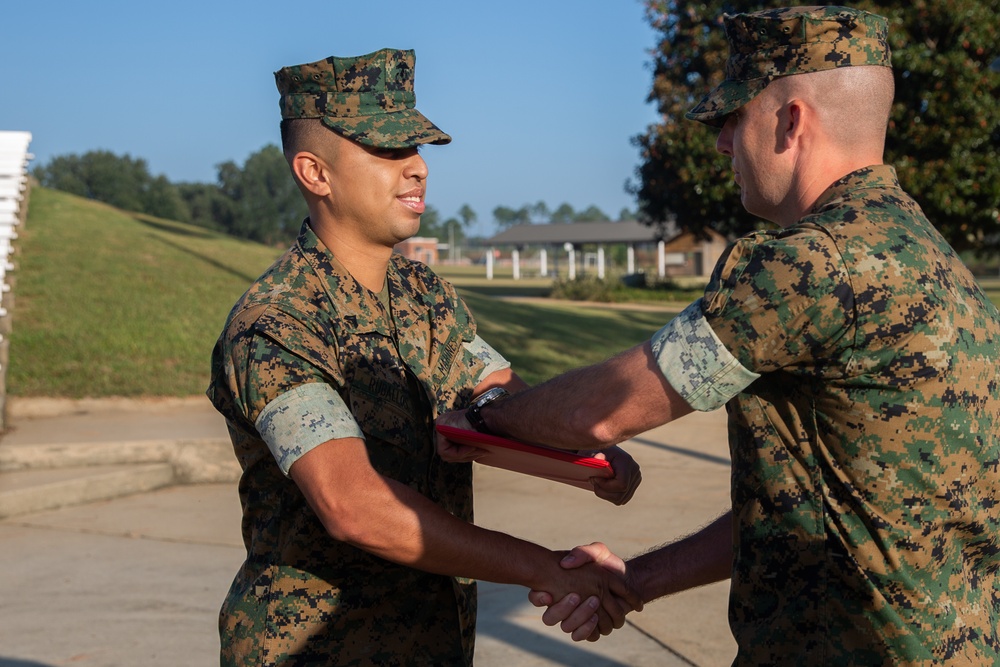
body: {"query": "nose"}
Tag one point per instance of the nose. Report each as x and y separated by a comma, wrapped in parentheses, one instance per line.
(415, 167)
(724, 143)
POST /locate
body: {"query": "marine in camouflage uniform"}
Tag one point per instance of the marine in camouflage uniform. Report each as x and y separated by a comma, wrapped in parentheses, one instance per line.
(864, 446)
(303, 327)
(857, 359)
(305, 341)
(315, 367)
(859, 364)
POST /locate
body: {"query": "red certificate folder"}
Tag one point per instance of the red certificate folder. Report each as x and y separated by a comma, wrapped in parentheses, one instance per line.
(555, 464)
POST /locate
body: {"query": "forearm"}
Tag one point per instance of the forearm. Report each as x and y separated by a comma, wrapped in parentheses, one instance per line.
(593, 407)
(699, 559)
(401, 525)
(388, 519)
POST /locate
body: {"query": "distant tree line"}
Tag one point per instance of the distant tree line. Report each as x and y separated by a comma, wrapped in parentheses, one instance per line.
(540, 213)
(258, 201)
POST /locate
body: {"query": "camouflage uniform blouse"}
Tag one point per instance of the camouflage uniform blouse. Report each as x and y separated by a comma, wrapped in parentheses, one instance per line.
(858, 361)
(302, 597)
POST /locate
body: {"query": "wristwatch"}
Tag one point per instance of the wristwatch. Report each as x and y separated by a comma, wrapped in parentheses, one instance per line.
(485, 398)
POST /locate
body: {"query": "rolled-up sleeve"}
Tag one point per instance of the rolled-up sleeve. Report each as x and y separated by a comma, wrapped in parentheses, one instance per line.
(696, 363)
(492, 360)
(303, 418)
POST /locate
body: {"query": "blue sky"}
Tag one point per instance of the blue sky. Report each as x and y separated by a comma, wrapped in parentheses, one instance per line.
(541, 97)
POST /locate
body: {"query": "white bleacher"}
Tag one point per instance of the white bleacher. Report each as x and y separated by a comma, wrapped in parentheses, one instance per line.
(14, 159)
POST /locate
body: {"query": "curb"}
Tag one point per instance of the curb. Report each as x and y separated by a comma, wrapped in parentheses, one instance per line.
(41, 407)
(138, 467)
(85, 489)
(14, 458)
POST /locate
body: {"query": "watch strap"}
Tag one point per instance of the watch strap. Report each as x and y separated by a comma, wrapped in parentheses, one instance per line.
(474, 413)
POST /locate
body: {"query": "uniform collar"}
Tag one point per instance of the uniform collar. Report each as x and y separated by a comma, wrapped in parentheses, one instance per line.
(875, 176)
(356, 303)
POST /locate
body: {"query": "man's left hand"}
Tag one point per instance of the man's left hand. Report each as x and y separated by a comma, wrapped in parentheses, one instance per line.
(454, 452)
(620, 488)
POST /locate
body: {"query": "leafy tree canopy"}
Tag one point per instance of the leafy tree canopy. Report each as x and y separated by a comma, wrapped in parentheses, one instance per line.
(267, 205)
(944, 134)
(122, 181)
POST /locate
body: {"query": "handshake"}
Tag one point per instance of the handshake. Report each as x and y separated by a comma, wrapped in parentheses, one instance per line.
(589, 590)
(605, 592)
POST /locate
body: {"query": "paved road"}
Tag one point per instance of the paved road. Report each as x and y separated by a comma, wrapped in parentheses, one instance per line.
(138, 579)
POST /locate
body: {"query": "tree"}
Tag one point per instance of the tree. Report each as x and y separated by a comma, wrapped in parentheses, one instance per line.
(591, 214)
(505, 216)
(564, 213)
(626, 214)
(164, 201)
(266, 204)
(456, 230)
(539, 212)
(121, 181)
(944, 134)
(467, 215)
(207, 205)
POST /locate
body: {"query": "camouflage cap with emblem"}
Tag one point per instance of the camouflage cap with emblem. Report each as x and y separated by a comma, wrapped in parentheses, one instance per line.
(368, 99)
(793, 40)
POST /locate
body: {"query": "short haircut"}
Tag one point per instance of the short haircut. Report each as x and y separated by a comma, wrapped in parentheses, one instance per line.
(303, 134)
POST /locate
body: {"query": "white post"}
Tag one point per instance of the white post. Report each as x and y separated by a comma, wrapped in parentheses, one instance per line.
(515, 257)
(631, 258)
(572, 260)
(489, 264)
(600, 262)
(543, 259)
(661, 258)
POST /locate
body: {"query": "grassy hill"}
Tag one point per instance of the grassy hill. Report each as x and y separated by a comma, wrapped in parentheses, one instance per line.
(110, 303)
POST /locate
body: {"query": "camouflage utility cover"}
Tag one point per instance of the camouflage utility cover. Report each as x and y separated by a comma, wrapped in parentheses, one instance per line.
(795, 40)
(369, 99)
(302, 597)
(866, 455)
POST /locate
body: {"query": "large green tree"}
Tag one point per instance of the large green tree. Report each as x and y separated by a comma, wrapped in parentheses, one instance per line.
(207, 205)
(944, 134)
(266, 204)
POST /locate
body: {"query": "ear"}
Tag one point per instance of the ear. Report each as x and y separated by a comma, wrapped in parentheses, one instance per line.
(311, 172)
(797, 115)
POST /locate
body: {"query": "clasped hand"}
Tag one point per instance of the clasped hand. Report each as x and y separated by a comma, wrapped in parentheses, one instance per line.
(590, 617)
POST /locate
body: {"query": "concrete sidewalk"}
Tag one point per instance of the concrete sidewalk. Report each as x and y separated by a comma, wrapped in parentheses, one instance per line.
(131, 567)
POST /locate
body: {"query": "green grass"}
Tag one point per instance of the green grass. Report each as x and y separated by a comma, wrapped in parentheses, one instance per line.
(544, 340)
(109, 303)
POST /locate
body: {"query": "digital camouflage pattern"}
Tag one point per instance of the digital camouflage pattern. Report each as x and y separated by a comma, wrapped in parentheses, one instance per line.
(866, 456)
(369, 98)
(302, 597)
(794, 40)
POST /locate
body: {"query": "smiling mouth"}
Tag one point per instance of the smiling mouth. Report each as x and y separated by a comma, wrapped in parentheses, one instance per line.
(413, 201)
